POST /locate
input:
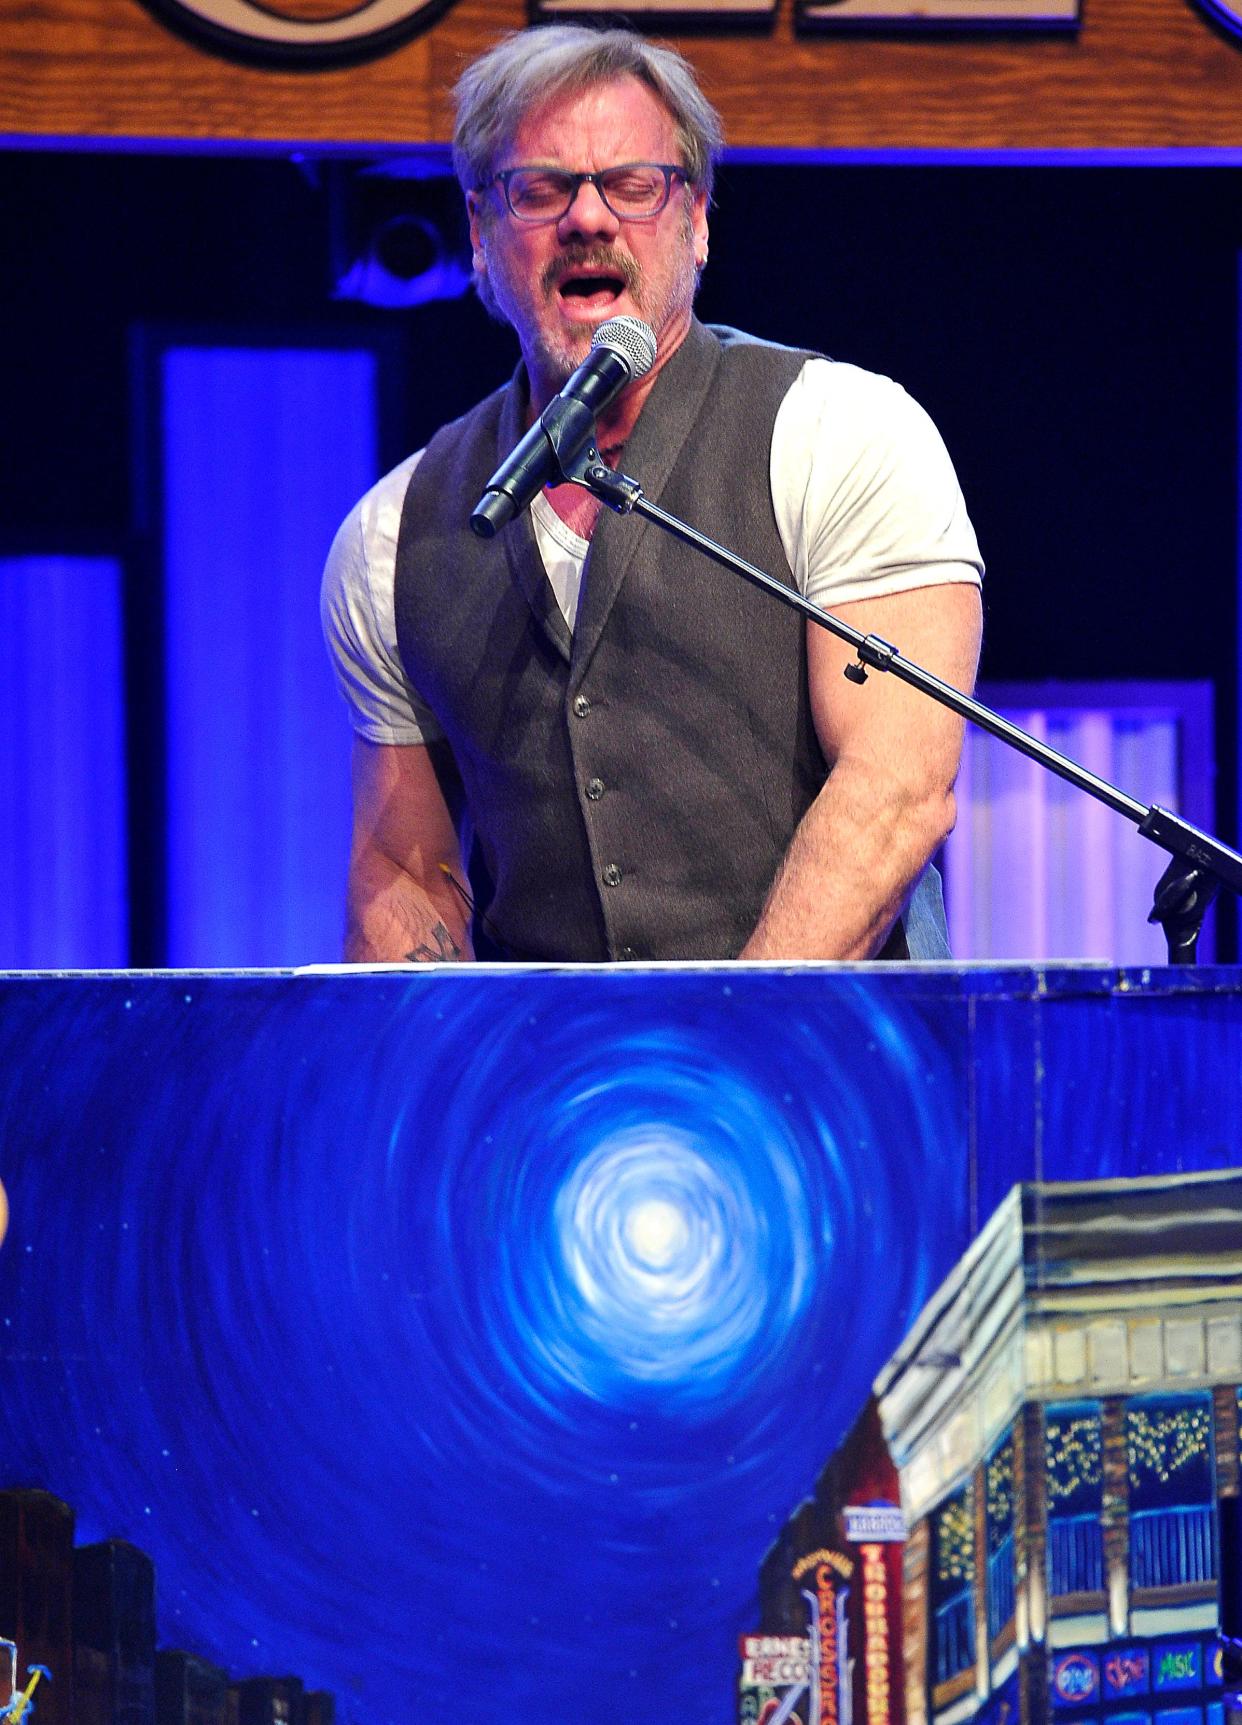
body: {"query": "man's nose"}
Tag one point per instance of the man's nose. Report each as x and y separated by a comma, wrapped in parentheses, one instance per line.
(588, 215)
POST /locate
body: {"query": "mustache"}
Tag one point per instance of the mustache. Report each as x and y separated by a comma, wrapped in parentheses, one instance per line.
(597, 260)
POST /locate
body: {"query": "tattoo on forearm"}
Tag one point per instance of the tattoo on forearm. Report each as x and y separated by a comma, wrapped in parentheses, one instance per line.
(445, 948)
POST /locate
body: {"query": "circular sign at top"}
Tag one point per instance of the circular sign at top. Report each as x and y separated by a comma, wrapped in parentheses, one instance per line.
(311, 32)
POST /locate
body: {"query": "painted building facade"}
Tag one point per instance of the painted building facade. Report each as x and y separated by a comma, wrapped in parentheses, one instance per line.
(1061, 1426)
(1064, 1421)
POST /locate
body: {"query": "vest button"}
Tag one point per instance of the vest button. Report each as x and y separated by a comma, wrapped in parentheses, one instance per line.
(612, 875)
(595, 789)
(581, 706)
(627, 954)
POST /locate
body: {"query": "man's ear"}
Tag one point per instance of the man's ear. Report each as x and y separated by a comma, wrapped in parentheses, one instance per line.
(698, 225)
(474, 209)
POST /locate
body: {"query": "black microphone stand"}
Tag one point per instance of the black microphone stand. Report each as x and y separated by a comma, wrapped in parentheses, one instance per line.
(1230, 1601)
(1199, 864)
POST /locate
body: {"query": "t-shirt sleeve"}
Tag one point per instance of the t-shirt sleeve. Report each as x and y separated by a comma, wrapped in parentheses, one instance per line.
(357, 611)
(867, 502)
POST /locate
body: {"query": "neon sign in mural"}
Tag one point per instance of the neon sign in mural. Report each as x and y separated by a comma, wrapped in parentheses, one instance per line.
(875, 1637)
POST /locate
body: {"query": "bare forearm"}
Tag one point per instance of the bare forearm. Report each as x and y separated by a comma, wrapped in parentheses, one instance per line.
(888, 802)
(393, 919)
(850, 867)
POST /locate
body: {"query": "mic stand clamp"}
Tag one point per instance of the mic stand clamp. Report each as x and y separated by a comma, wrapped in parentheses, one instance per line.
(1184, 895)
(615, 489)
(1200, 865)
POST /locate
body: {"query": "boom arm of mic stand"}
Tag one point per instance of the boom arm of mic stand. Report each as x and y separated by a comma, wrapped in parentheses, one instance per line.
(1201, 864)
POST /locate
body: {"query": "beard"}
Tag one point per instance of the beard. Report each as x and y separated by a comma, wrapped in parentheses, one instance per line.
(557, 352)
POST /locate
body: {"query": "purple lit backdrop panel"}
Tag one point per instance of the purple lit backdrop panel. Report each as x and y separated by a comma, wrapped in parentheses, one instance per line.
(62, 764)
(264, 452)
(1038, 870)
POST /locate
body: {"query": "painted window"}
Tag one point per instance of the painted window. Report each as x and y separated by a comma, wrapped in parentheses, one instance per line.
(954, 1575)
(1000, 1503)
(1074, 1485)
(1169, 1456)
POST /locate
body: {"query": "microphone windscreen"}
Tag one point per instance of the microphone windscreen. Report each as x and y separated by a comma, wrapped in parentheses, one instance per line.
(633, 339)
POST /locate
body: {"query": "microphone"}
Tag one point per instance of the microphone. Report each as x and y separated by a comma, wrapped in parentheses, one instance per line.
(622, 349)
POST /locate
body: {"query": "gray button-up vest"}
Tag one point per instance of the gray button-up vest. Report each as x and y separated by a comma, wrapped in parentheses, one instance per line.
(631, 787)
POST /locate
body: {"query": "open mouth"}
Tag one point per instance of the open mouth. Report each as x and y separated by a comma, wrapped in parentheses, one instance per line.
(592, 289)
(592, 281)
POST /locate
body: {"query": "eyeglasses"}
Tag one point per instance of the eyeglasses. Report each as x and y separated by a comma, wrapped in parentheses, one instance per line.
(634, 191)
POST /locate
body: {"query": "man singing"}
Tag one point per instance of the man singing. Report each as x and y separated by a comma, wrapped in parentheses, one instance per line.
(645, 757)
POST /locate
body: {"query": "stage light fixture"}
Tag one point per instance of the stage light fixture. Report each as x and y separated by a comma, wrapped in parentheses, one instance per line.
(397, 231)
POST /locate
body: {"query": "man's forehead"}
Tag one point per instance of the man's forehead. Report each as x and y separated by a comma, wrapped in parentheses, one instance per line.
(607, 112)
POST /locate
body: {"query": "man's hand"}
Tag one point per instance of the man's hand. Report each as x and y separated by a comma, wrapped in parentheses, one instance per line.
(402, 905)
(888, 804)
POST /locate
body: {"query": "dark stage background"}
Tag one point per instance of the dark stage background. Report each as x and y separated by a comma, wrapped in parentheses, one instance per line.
(1073, 330)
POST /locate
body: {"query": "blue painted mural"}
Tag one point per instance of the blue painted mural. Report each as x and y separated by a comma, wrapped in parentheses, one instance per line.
(461, 1341)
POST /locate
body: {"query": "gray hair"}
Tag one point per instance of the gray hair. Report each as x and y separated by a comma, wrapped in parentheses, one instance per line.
(530, 67)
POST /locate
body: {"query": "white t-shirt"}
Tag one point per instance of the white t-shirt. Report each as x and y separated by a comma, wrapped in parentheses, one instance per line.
(866, 501)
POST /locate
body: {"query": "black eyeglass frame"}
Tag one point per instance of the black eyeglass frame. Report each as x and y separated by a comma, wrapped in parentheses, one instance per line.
(576, 181)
